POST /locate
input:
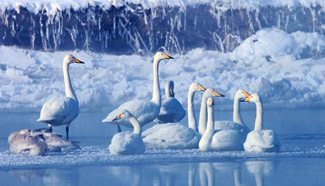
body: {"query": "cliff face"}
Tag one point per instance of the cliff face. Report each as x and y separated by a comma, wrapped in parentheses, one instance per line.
(134, 29)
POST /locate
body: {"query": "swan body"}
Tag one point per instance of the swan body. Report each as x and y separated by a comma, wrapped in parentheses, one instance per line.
(260, 140)
(22, 143)
(144, 111)
(171, 109)
(127, 143)
(237, 123)
(221, 140)
(62, 110)
(175, 135)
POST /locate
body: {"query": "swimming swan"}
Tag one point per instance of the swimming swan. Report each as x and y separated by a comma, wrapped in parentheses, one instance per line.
(260, 140)
(127, 142)
(62, 110)
(144, 110)
(175, 135)
(237, 123)
(21, 142)
(221, 140)
(171, 109)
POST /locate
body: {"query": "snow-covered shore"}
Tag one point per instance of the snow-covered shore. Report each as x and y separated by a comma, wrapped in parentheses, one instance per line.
(271, 62)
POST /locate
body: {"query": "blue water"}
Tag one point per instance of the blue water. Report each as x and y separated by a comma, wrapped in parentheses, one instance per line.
(300, 162)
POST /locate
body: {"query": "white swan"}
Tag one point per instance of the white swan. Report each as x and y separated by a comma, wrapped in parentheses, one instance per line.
(55, 142)
(237, 123)
(127, 142)
(175, 135)
(21, 142)
(222, 140)
(260, 140)
(62, 110)
(144, 110)
(171, 109)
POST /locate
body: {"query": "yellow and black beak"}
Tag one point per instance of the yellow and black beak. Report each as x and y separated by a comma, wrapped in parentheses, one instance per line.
(248, 97)
(217, 94)
(168, 57)
(78, 61)
(202, 88)
(118, 117)
(211, 102)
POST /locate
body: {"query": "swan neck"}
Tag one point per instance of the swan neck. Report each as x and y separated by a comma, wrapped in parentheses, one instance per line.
(156, 97)
(259, 117)
(203, 115)
(236, 112)
(69, 92)
(167, 91)
(210, 125)
(190, 110)
(136, 126)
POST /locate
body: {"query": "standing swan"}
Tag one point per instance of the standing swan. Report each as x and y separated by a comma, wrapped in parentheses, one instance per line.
(237, 123)
(260, 140)
(222, 140)
(144, 110)
(127, 142)
(171, 109)
(62, 110)
(176, 135)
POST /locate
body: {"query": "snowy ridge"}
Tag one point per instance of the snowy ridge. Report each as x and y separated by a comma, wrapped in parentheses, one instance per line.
(97, 156)
(271, 62)
(52, 7)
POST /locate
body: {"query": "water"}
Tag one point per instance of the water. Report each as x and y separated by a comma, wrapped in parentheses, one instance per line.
(300, 162)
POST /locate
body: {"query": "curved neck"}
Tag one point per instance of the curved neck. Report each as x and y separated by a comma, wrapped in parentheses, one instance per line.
(208, 133)
(259, 117)
(69, 92)
(136, 126)
(236, 112)
(203, 115)
(156, 87)
(190, 110)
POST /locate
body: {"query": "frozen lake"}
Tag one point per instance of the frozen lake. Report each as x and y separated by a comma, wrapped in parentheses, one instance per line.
(300, 162)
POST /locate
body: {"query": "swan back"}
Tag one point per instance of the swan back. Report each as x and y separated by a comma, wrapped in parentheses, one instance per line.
(26, 144)
(262, 141)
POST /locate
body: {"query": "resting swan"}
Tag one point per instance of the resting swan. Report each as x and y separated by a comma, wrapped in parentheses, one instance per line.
(221, 140)
(175, 135)
(260, 140)
(127, 142)
(144, 111)
(237, 123)
(171, 109)
(62, 110)
(21, 142)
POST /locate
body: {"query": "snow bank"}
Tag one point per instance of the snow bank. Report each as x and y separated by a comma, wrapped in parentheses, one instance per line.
(271, 62)
(52, 7)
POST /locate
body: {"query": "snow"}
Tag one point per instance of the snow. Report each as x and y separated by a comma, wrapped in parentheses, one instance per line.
(271, 62)
(52, 6)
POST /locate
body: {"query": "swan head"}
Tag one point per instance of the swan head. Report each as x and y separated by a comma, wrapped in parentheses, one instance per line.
(210, 102)
(212, 93)
(255, 98)
(68, 59)
(169, 89)
(123, 114)
(241, 95)
(160, 56)
(196, 87)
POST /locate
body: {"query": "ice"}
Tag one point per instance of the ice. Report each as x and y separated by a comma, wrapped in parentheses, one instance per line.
(271, 62)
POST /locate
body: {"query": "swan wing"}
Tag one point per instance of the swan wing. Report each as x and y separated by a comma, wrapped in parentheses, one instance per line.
(144, 111)
(230, 125)
(171, 111)
(228, 140)
(126, 143)
(59, 111)
(262, 141)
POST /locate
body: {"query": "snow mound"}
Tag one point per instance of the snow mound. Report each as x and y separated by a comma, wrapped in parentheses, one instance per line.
(271, 62)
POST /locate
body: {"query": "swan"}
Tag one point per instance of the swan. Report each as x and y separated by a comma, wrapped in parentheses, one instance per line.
(127, 142)
(237, 123)
(55, 142)
(176, 135)
(221, 140)
(62, 110)
(21, 142)
(260, 140)
(144, 110)
(171, 109)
